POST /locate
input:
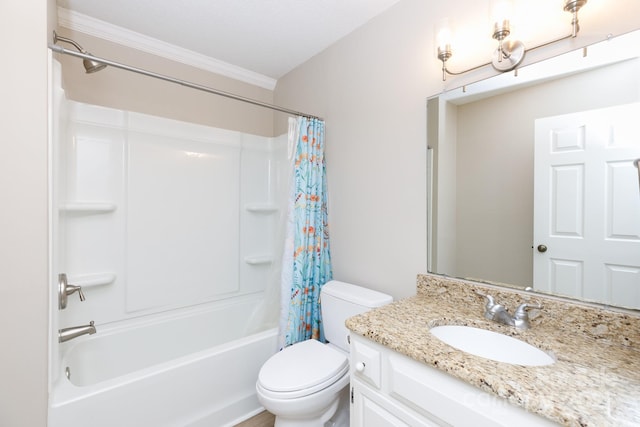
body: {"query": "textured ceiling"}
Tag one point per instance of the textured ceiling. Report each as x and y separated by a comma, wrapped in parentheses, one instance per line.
(269, 37)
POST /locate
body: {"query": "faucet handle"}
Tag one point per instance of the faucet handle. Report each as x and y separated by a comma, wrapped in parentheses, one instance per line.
(490, 307)
(65, 289)
(490, 301)
(73, 288)
(521, 311)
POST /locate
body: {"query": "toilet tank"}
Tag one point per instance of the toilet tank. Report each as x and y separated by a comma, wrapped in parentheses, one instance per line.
(339, 301)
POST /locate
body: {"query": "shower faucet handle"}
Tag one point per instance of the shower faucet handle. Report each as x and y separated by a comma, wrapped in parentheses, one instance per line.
(65, 289)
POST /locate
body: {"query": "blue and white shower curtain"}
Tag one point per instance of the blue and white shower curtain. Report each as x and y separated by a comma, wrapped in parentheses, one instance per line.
(306, 262)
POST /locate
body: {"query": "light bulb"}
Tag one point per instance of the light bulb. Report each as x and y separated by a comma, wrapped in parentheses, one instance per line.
(444, 39)
(501, 14)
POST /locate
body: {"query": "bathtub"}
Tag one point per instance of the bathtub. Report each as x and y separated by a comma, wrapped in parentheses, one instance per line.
(196, 368)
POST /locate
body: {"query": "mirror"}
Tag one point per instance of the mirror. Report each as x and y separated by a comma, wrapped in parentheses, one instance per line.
(485, 177)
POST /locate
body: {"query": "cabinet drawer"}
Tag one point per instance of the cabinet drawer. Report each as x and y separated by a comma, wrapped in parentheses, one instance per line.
(365, 362)
(428, 392)
(431, 392)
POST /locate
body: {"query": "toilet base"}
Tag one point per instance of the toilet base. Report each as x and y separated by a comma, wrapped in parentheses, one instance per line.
(341, 417)
(336, 415)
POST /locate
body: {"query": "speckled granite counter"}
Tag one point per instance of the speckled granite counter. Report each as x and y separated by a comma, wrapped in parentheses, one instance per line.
(594, 382)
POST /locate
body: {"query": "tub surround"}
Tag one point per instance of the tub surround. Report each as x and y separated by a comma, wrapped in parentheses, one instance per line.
(595, 380)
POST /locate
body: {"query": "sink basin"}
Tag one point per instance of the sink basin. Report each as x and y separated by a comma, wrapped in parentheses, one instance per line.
(492, 345)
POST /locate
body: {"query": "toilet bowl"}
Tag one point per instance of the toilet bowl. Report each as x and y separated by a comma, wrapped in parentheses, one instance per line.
(302, 384)
(307, 383)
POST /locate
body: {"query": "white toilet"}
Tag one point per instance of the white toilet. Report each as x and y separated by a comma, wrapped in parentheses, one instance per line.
(307, 384)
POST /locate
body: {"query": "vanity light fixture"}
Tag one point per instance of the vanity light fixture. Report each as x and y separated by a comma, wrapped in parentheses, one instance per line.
(510, 52)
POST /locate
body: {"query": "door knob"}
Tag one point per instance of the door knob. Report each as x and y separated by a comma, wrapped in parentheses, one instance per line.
(542, 248)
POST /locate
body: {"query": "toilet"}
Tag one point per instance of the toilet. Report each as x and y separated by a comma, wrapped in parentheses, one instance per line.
(307, 383)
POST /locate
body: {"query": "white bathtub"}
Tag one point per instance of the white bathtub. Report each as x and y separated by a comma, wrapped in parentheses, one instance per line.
(192, 369)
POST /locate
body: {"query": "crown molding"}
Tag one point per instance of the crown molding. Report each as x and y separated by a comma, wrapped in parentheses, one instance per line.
(104, 30)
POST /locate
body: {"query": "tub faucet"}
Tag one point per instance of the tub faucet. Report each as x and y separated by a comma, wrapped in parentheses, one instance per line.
(67, 334)
(499, 314)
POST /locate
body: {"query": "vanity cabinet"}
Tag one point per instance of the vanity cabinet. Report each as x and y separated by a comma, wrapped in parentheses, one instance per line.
(389, 389)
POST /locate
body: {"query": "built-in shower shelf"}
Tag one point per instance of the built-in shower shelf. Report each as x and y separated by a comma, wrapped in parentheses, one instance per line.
(88, 207)
(258, 260)
(262, 208)
(90, 280)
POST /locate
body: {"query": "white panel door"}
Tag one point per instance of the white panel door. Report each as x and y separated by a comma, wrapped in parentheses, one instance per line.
(587, 205)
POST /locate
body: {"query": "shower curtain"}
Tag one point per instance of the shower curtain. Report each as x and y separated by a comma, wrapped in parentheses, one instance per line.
(306, 264)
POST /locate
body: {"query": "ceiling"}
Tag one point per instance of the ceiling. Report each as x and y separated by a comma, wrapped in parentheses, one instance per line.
(267, 37)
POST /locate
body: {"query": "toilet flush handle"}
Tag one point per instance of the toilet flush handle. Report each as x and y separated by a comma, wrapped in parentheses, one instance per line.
(360, 366)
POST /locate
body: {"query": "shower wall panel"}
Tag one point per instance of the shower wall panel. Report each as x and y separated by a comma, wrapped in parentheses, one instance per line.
(157, 214)
(182, 220)
(259, 207)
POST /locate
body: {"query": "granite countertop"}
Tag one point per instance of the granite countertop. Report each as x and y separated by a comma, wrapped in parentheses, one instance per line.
(594, 382)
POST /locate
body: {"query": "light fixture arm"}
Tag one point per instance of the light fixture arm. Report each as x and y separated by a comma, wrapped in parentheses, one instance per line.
(574, 6)
(574, 24)
(446, 71)
(501, 31)
(502, 53)
(570, 36)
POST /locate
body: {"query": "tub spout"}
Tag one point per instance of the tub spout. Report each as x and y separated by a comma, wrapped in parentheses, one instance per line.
(67, 334)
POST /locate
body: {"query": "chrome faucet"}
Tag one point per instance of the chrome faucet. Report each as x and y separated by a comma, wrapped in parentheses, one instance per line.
(67, 334)
(498, 313)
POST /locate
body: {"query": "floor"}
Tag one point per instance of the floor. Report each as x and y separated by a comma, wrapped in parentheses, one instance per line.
(263, 419)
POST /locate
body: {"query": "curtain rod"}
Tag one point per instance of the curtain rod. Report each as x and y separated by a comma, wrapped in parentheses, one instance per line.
(60, 49)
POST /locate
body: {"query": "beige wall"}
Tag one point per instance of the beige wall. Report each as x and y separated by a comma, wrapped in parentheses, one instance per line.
(372, 88)
(23, 216)
(125, 90)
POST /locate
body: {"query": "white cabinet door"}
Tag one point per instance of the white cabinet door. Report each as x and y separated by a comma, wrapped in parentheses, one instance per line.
(371, 409)
(587, 205)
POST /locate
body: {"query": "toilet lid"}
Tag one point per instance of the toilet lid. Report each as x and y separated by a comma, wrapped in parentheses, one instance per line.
(302, 369)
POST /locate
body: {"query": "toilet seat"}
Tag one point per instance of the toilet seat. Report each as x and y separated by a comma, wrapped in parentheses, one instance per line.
(302, 369)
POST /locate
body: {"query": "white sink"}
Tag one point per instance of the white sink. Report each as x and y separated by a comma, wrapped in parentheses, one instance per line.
(492, 345)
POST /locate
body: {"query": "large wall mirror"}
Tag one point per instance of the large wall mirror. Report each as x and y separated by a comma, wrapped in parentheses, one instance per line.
(532, 181)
